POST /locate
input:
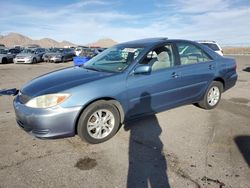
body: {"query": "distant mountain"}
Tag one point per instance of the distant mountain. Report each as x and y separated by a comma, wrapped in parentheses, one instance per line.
(13, 39)
(105, 43)
(17, 39)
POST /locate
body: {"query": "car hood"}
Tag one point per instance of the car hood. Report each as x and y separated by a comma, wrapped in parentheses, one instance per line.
(61, 80)
(24, 55)
(53, 53)
(3, 55)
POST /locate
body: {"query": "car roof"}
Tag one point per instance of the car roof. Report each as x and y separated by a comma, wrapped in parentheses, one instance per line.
(151, 42)
(207, 41)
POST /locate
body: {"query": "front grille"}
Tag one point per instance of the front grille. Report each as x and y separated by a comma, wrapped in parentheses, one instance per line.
(24, 127)
(23, 98)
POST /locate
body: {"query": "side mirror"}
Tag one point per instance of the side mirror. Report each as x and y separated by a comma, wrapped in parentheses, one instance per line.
(143, 69)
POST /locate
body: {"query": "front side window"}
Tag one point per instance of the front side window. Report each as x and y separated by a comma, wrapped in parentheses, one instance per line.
(190, 54)
(160, 58)
(115, 59)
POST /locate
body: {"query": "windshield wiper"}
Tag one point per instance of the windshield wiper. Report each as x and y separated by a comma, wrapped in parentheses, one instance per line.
(91, 68)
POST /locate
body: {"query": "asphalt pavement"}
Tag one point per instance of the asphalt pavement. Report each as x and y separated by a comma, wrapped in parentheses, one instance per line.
(182, 147)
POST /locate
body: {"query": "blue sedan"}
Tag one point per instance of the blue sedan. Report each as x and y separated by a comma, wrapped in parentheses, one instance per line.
(124, 82)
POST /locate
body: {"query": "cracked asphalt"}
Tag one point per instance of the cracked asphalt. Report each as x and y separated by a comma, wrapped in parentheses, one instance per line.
(182, 147)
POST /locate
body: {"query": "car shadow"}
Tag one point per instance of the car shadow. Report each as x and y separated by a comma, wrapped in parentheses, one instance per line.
(147, 163)
(243, 143)
(247, 69)
(12, 91)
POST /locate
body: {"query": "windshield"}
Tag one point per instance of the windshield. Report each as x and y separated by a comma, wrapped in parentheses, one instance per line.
(3, 51)
(54, 50)
(115, 59)
(27, 51)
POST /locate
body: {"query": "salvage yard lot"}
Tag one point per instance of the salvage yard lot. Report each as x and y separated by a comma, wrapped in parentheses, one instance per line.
(182, 147)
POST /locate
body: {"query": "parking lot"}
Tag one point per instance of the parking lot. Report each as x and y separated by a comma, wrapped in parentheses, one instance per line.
(182, 147)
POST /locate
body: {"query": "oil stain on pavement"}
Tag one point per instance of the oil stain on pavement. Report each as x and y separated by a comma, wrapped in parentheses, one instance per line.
(86, 163)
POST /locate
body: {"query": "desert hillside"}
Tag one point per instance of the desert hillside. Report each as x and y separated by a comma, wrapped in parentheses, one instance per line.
(236, 50)
(17, 39)
(105, 43)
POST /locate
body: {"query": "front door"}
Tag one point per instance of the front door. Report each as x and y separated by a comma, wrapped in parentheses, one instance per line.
(157, 90)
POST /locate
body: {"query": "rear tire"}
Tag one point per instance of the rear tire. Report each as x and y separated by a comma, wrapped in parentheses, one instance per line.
(98, 122)
(34, 61)
(212, 96)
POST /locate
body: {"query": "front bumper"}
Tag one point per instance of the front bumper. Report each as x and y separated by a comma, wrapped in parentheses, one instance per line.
(55, 59)
(54, 122)
(23, 60)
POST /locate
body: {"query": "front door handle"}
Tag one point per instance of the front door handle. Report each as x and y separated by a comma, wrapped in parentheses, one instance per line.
(211, 67)
(175, 75)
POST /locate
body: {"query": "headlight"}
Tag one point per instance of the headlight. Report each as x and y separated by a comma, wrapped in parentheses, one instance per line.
(46, 101)
(29, 57)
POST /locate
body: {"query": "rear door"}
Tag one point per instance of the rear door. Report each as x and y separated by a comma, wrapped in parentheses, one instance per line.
(196, 70)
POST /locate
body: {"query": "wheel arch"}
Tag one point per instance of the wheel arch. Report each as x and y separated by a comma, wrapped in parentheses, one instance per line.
(111, 100)
(4, 60)
(219, 79)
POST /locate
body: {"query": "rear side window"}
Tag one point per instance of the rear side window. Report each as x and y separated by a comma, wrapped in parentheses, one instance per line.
(190, 53)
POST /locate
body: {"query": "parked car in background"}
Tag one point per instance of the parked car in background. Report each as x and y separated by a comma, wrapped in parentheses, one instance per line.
(30, 55)
(20, 47)
(5, 56)
(14, 51)
(34, 46)
(88, 52)
(2, 46)
(79, 49)
(56, 55)
(212, 45)
(149, 76)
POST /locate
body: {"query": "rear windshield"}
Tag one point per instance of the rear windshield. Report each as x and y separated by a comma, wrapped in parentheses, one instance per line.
(214, 47)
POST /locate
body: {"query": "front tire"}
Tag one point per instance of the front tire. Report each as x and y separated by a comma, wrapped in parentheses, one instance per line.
(212, 96)
(99, 122)
(4, 61)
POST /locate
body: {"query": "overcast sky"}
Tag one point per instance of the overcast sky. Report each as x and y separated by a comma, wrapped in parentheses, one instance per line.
(84, 21)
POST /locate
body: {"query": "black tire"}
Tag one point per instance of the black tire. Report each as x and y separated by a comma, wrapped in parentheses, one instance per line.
(63, 59)
(4, 61)
(88, 114)
(34, 61)
(209, 104)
